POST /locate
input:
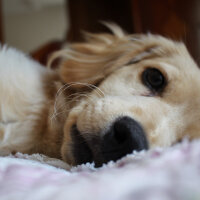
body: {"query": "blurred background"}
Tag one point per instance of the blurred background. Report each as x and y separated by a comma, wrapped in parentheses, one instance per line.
(40, 27)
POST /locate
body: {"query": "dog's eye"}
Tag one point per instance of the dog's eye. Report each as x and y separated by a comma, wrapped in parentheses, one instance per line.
(153, 79)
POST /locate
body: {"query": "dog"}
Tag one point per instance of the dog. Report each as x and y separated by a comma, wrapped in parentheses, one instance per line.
(110, 95)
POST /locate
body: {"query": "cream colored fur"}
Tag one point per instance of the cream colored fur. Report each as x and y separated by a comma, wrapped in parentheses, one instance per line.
(21, 98)
(25, 106)
(38, 106)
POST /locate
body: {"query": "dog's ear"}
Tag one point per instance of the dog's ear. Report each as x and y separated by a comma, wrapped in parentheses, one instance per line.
(87, 62)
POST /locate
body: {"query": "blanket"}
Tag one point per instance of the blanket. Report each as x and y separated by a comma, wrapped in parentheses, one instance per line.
(159, 174)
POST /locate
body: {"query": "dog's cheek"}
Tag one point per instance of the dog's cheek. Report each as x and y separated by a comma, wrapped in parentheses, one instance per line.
(67, 143)
(66, 148)
(66, 151)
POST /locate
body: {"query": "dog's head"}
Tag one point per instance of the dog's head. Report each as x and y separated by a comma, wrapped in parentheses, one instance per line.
(134, 92)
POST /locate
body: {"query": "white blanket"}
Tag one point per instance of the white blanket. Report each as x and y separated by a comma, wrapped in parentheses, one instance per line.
(159, 174)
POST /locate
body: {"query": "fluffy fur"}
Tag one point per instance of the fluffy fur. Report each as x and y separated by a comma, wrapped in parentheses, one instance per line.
(38, 106)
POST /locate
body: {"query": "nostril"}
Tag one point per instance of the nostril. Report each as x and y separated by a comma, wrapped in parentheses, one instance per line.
(124, 136)
(121, 132)
(127, 130)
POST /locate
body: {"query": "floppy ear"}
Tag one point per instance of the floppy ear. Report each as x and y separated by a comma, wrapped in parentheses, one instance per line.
(86, 62)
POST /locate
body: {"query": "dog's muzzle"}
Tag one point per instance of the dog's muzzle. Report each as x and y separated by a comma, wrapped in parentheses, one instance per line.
(123, 137)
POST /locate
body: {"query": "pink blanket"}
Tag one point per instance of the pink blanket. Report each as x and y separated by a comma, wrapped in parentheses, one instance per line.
(160, 174)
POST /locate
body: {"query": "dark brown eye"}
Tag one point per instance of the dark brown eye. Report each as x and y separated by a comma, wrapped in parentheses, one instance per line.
(153, 79)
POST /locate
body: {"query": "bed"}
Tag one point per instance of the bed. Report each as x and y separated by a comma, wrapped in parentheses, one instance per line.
(158, 174)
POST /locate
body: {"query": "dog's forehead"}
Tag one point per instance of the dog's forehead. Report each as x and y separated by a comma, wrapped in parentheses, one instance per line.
(151, 47)
(172, 58)
(156, 44)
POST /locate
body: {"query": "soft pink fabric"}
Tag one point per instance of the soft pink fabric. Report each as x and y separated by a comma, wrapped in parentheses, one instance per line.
(173, 173)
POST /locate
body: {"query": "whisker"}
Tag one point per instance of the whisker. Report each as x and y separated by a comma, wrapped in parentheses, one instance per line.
(56, 113)
(68, 85)
(95, 87)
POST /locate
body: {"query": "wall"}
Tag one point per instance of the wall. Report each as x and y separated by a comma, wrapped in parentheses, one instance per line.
(28, 24)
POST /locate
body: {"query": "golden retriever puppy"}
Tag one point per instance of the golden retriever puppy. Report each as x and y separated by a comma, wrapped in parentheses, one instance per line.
(111, 95)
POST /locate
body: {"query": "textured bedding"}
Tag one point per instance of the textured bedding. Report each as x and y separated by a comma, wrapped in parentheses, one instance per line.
(159, 174)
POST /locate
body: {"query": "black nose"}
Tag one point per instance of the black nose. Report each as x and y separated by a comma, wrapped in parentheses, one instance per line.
(124, 136)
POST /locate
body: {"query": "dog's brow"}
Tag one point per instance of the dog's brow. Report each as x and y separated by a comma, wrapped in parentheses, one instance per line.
(143, 55)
